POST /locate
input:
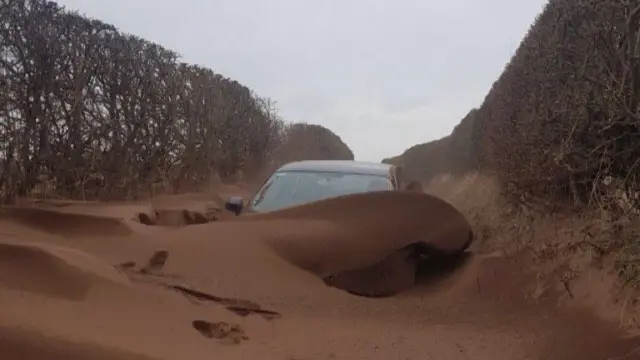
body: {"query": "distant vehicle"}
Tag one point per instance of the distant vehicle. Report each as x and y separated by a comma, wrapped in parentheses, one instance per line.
(303, 182)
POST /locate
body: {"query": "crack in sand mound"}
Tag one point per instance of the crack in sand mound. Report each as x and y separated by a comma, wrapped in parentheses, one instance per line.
(239, 307)
(367, 244)
(176, 217)
(66, 224)
(54, 271)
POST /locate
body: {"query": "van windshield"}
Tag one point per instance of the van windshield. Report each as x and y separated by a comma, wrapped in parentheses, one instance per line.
(291, 188)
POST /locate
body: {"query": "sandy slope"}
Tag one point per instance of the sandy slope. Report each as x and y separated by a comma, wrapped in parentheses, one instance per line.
(105, 287)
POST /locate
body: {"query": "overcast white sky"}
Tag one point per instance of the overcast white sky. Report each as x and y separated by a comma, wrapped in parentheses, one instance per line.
(382, 74)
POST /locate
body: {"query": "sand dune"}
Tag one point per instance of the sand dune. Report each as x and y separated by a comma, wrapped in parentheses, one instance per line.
(257, 287)
(403, 217)
(65, 224)
(360, 231)
(23, 344)
(53, 270)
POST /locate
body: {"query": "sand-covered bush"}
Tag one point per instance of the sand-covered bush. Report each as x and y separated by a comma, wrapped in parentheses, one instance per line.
(563, 246)
(479, 197)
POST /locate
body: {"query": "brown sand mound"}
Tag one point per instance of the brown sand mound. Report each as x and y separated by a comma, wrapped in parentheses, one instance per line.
(66, 224)
(18, 344)
(359, 231)
(54, 271)
(483, 308)
(204, 285)
(364, 244)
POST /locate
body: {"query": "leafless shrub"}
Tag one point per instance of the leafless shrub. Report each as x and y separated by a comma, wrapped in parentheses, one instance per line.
(561, 126)
(565, 112)
(89, 112)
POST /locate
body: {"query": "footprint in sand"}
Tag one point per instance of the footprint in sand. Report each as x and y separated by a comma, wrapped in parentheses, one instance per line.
(239, 307)
(156, 262)
(127, 265)
(223, 331)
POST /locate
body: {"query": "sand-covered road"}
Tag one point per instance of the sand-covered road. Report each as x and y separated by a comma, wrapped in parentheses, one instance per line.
(99, 287)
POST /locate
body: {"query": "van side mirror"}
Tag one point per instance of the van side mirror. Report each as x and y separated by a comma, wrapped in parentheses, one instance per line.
(234, 204)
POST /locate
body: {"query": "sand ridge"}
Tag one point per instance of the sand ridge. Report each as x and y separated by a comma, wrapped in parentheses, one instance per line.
(54, 270)
(357, 231)
(65, 224)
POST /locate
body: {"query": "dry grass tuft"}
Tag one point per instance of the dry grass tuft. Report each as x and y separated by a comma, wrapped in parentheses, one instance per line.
(567, 248)
(479, 197)
(609, 240)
